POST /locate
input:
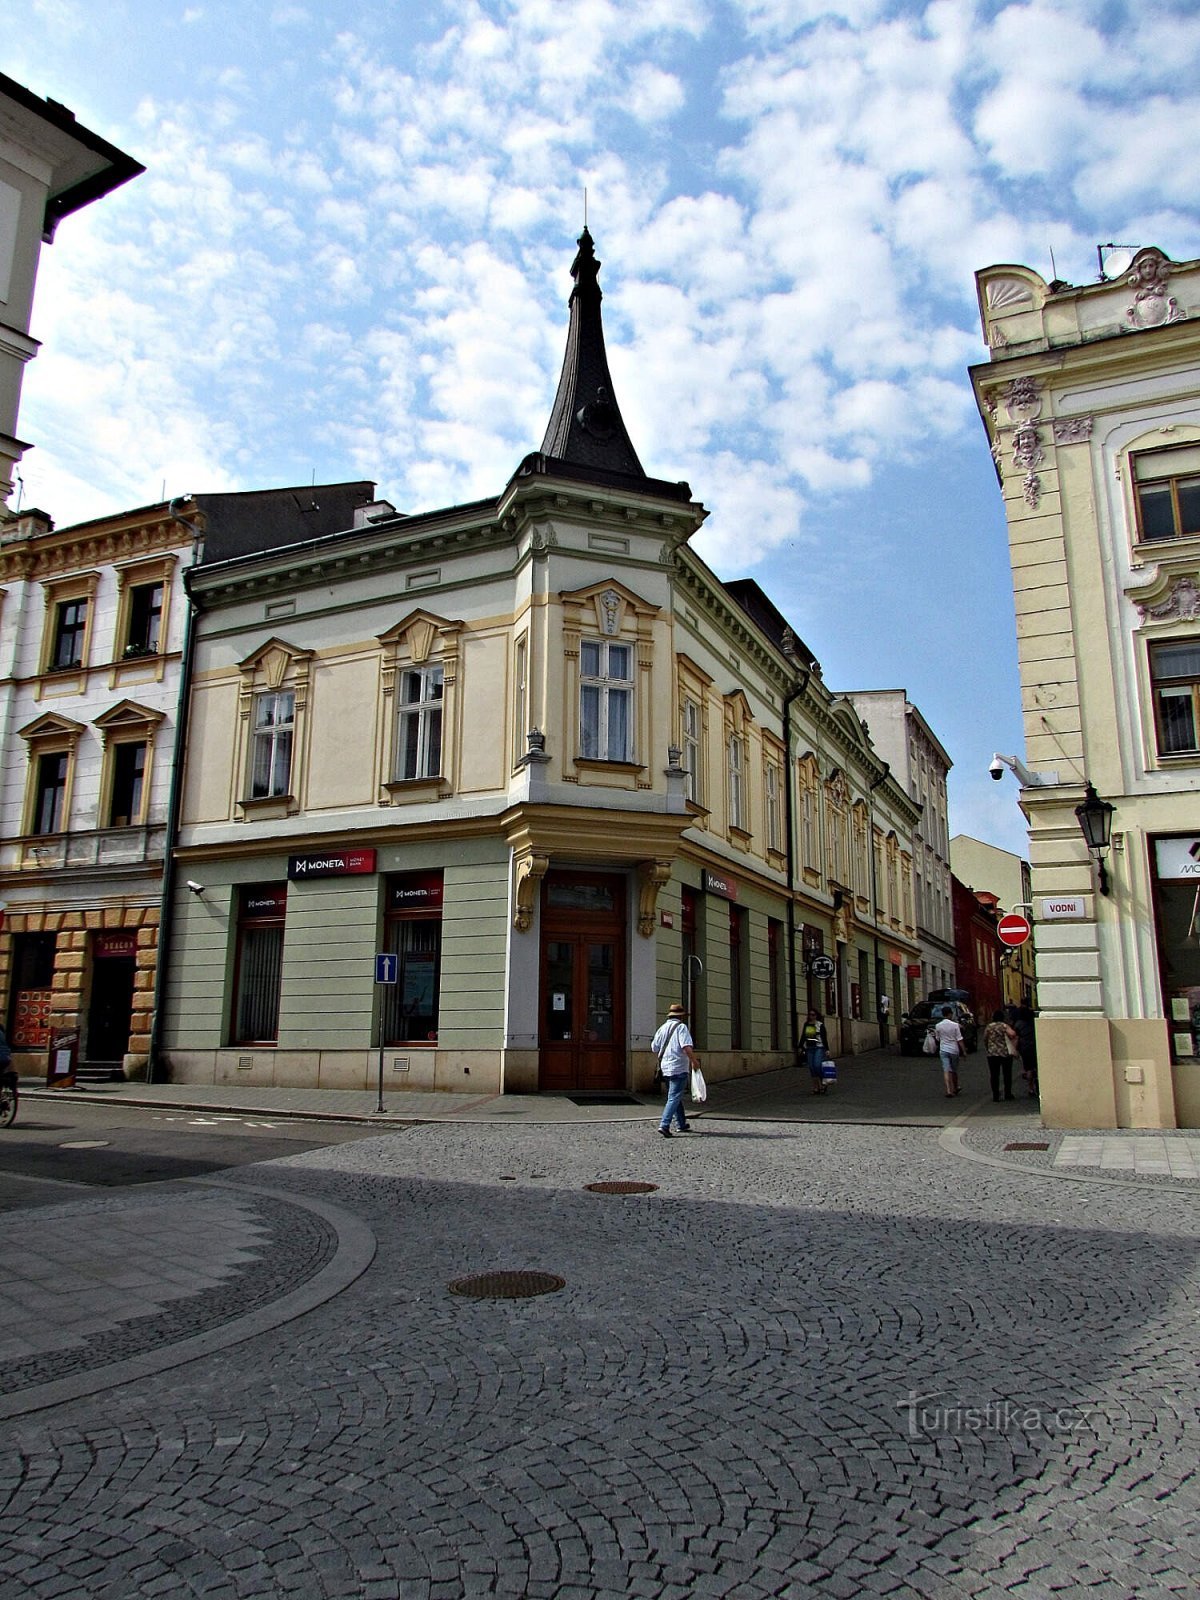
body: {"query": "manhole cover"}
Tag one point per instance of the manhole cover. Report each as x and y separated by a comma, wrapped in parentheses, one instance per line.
(508, 1285)
(622, 1186)
(1027, 1147)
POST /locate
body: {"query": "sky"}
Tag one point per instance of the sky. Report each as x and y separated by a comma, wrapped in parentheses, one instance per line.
(349, 257)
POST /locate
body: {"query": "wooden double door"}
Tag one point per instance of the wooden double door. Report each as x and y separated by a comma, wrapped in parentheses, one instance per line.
(582, 982)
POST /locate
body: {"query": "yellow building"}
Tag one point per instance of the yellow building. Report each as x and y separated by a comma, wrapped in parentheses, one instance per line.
(1091, 402)
(536, 756)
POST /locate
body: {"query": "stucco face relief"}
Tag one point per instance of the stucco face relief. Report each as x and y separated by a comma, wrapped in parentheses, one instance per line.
(1152, 305)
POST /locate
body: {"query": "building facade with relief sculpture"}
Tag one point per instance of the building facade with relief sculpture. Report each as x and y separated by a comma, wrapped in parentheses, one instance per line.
(1091, 401)
(536, 757)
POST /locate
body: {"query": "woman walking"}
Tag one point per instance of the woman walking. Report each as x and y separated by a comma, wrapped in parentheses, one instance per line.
(816, 1048)
(1000, 1041)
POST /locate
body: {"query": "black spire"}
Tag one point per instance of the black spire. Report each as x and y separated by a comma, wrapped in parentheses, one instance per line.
(585, 425)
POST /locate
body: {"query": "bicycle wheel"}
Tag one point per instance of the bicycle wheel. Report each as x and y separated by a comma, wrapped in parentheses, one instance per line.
(8, 1105)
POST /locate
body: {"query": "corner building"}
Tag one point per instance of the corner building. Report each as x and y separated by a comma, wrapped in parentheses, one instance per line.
(1092, 405)
(534, 754)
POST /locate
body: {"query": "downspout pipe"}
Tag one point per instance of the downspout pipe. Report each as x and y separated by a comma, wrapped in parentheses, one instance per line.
(789, 802)
(175, 798)
(871, 788)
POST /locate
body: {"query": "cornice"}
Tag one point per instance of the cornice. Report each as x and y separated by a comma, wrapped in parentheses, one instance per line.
(55, 554)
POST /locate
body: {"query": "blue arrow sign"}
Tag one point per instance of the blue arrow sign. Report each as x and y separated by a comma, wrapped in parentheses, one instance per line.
(387, 968)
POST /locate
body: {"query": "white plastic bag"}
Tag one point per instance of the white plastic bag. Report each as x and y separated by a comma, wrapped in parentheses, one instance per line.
(931, 1046)
(699, 1087)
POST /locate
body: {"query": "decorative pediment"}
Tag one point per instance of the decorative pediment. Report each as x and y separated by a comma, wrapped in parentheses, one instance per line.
(609, 607)
(271, 661)
(50, 727)
(418, 632)
(837, 787)
(127, 717)
(738, 714)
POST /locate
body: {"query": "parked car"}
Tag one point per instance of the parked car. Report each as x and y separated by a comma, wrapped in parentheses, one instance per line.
(915, 1024)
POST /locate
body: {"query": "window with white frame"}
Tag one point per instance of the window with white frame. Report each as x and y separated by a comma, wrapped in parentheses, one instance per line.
(419, 742)
(271, 746)
(605, 700)
(736, 764)
(1175, 676)
(689, 731)
(774, 818)
(520, 696)
(1167, 485)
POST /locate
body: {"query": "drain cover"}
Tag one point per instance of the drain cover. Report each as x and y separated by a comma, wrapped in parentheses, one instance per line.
(508, 1285)
(622, 1186)
(1027, 1147)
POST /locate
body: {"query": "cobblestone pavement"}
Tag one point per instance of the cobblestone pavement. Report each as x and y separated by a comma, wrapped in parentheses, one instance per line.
(818, 1360)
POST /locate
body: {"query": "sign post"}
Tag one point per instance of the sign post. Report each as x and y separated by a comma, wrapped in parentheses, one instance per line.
(1013, 929)
(387, 971)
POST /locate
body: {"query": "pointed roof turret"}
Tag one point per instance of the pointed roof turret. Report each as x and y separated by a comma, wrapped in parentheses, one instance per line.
(586, 428)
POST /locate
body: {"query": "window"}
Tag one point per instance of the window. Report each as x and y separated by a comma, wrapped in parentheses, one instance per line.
(32, 990)
(70, 629)
(520, 697)
(413, 932)
(1175, 675)
(50, 792)
(774, 825)
(737, 976)
(690, 740)
(142, 637)
(420, 731)
(258, 968)
(737, 782)
(128, 785)
(605, 700)
(271, 759)
(1167, 485)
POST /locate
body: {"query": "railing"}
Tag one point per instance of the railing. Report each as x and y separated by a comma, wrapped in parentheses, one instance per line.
(98, 847)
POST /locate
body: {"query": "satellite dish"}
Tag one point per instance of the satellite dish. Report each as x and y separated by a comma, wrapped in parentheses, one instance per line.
(1116, 259)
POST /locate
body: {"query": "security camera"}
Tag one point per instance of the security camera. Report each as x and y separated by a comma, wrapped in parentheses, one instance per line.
(196, 888)
(997, 768)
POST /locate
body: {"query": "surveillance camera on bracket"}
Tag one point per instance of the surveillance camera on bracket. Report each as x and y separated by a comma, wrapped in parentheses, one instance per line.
(1026, 778)
(196, 888)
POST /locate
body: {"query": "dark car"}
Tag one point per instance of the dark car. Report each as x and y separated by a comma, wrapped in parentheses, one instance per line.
(915, 1024)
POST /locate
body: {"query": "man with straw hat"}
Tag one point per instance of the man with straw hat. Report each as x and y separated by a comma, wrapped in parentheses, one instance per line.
(673, 1045)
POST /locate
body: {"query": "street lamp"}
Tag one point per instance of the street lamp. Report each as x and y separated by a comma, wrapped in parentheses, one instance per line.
(1095, 821)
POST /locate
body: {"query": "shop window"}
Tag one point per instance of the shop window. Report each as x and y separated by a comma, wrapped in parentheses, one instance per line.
(271, 748)
(128, 794)
(144, 628)
(413, 932)
(258, 964)
(1175, 676)
(605, 700)
(1167, 484)
(775, 978)
(419, 741)
(31, 990)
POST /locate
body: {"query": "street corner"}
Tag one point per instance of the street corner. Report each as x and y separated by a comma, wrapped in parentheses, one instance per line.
(134, 1284)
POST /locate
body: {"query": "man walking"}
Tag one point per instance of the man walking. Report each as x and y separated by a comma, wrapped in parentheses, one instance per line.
(673, 1046)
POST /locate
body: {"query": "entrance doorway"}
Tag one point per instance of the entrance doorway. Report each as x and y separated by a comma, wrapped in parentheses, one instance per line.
(582, 982)
(110, 1012)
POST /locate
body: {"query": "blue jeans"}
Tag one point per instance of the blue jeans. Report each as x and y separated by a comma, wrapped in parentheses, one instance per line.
(814, 1055)
(674, 1106)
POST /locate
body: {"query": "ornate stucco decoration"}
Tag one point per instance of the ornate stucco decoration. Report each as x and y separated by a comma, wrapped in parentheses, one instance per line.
(1027, 447)
(651, 877)
(1152, 305)
(1022, 400)
(1072, 430)
(531, 869)
(1031, 489)
(1182, 603)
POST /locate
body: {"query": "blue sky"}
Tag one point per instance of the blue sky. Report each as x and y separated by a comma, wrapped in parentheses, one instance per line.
(349, 258)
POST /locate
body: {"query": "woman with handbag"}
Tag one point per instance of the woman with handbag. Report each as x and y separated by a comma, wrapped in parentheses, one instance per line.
(816, 1047)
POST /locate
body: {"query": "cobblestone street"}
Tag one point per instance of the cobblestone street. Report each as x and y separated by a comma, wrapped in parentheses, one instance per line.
(818, 1359)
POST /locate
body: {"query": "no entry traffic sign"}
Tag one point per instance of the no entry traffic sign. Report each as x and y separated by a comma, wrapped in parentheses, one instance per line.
(1013, 929)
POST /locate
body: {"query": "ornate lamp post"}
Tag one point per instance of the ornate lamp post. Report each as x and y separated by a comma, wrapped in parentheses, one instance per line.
(1095, 821)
